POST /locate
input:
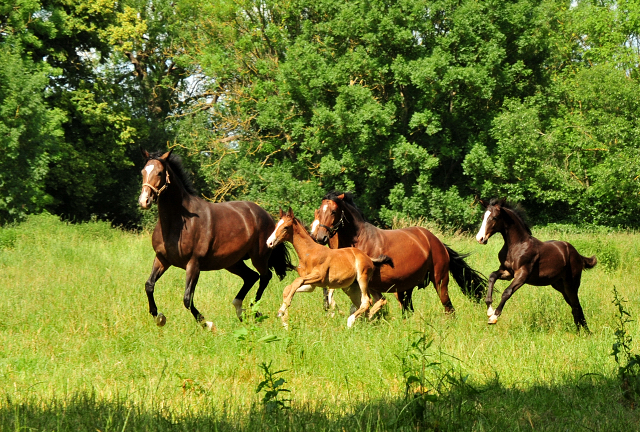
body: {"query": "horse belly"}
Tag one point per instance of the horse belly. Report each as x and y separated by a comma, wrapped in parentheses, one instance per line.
(410, 267)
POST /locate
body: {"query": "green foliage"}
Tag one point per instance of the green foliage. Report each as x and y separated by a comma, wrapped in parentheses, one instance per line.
(622, 352)
(273, 400)
(30, 130)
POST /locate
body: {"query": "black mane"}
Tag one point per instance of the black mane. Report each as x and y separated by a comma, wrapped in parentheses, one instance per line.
(348, 199)
(175, 162)
(517, 210)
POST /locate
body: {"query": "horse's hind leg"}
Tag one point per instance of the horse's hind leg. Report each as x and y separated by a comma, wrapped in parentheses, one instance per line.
(193, 274)
(570, 294)
(440, 280)
(158, 270)
(249, 278)
(365, 301)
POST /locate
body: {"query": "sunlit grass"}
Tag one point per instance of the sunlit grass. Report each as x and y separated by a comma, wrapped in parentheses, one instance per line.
(75, 331)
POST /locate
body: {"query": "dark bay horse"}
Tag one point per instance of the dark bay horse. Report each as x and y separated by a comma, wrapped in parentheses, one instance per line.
(525, 259)
(419, 257)
(197, 235)
(323, 267)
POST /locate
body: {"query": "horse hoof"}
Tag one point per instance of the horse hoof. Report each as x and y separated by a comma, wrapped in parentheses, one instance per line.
(350, 321)
(490, 311)
(237, 303)
(161, 320)
(493, 319)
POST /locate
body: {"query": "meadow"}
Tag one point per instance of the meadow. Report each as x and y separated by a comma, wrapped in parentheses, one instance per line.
(79, 350)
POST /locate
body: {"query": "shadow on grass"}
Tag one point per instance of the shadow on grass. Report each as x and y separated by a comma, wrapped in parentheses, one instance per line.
(592, 403)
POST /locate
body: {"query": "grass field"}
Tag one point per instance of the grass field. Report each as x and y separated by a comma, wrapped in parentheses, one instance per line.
(79, 351)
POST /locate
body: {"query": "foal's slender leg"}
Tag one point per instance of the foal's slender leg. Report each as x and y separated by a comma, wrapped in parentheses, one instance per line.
(498, 274)
(378, 302)
(193, 274)
(518, 280)
(365, 301)
(158, 270)
(290, 291)
(249, 278)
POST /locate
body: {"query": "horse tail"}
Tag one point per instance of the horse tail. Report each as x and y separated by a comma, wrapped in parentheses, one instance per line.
(382, 260)
(589, 263)
(280, 260)
(472, 282)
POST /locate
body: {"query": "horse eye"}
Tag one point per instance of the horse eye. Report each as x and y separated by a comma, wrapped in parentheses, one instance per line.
(333, 212)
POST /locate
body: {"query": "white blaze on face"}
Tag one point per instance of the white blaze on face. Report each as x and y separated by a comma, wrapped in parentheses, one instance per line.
(314, 226)
(483, 228)
(324, 209)
(272, 237)
(144, 195)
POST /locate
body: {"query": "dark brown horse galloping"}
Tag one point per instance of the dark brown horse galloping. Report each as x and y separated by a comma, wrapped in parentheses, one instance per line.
(419, 257)
(525, 259)
(197, 235)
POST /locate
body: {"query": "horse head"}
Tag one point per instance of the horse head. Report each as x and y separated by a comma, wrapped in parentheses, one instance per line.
(329, 218)
(155, 178)
(493, 220)
(284, 229)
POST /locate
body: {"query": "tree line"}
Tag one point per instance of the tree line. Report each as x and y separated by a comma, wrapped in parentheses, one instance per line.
(418, 107)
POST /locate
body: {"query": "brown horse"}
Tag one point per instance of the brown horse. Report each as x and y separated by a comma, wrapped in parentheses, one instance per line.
(197, 235)
(419, 256)
(525, 259)
(323, 267)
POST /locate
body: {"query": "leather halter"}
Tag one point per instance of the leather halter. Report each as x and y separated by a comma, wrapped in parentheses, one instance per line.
(164, 186)
(334, 228)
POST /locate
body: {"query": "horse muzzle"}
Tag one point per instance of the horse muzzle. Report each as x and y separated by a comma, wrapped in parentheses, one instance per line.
(145, 200)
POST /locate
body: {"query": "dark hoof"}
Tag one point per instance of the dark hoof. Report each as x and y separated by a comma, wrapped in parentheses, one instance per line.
(258, 314)
(161, 320)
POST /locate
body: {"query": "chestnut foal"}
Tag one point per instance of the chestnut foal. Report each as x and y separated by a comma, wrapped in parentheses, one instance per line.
(323, 267)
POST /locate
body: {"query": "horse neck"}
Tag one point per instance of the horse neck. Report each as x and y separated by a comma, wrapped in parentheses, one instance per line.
(174, 197)
(351, 232)
(514, 232)
(301, 241)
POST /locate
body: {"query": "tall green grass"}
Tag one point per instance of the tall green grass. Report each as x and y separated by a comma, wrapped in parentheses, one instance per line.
(79, 351)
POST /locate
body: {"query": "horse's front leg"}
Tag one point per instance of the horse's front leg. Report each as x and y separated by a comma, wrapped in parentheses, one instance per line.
(158, 270)
(519, 279)
(498, 274)
(193, 273)
(289, 291)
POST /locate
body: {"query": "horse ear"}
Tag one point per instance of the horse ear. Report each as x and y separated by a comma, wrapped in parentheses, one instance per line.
(341, 196)
(281, 213)
(145, 154)
(316, 212)
(483, 203)
(290, 213)
(166, 155)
